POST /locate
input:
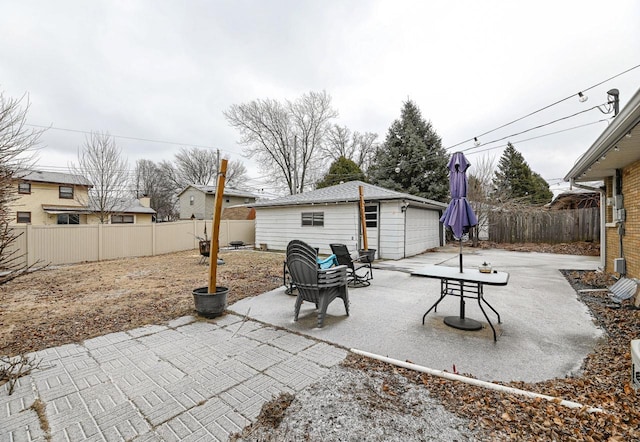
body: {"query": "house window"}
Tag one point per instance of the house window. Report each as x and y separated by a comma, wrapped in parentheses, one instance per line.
(121, 219)
(24, 188)
(68, 218)
(66, 192)
(23, 217)
(191, 200)
(371, 215)
(313, 219)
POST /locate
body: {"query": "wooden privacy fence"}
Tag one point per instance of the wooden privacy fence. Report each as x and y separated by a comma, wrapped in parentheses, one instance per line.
(58, 244)
(548, 226)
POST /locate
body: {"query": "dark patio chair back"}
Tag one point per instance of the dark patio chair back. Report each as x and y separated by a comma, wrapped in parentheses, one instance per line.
(356, 278)
(320, 286)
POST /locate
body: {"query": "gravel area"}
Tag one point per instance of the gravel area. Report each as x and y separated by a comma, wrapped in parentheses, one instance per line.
(351, 405)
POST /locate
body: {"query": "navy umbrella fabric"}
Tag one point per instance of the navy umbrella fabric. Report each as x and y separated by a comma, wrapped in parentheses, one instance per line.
(459, 216)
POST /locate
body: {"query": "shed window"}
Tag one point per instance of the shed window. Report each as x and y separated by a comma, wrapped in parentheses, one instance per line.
(313, 219)
(23, 217)
(68, 218)
(66, 192)
(371, 215)
(191, 200)
(121, 219)
(24, 188)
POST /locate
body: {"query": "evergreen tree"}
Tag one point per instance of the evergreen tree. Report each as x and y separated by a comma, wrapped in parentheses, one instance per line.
(412, 158)
(515, 181)
(341, 170)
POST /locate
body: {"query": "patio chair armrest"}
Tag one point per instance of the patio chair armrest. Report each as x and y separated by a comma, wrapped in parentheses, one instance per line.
(333, 276)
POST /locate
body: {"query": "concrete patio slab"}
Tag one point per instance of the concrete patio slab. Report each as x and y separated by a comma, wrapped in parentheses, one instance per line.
(545, 333)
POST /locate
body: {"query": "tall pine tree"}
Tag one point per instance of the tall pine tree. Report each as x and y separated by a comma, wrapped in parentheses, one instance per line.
(515, 181)
(412, 159)
(341, 170)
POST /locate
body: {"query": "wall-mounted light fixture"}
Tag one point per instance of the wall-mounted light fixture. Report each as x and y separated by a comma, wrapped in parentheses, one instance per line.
(476, 142)
(404, 206)
(582, 97)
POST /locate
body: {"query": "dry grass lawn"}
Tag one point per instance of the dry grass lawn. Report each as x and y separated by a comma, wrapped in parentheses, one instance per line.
(71, 303)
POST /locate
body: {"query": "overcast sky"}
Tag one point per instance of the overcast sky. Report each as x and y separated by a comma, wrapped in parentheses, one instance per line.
(166, 70)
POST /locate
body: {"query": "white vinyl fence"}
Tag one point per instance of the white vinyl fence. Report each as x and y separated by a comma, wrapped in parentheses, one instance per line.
(62, 244)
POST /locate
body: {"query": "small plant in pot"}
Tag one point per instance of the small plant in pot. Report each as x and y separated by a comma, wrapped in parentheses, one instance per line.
(211, 301)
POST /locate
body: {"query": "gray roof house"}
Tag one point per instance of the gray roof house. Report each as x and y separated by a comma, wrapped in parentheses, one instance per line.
(197, 201)
(398, 224)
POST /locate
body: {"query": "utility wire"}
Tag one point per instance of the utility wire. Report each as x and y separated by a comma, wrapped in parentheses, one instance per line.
(543, 108)
(127, 138)
(534, 128)
(539, 136)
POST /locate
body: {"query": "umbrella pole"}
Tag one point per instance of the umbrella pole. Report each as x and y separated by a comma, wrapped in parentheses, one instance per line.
(460, 255)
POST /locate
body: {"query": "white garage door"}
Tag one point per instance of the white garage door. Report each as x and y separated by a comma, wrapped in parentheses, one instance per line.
(423, 230)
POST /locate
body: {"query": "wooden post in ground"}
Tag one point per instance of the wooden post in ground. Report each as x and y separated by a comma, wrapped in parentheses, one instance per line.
(215, 241)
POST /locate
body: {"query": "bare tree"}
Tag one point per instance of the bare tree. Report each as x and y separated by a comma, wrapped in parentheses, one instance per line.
(101, 162)
(196, 166)
(16, 155)
(150, 182)
(285, 138)
(479, 193)
(357, 147)
(200, 166)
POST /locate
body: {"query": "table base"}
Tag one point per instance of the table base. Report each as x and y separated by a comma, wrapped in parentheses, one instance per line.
(462, 323)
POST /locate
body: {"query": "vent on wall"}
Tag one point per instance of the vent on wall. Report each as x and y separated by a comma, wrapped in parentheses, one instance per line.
(619, 266)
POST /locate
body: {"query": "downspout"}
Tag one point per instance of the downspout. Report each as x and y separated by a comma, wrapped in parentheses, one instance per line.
(603, 219)
(403, 209)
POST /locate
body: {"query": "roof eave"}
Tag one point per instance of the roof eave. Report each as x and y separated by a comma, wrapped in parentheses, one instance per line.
(622, 124)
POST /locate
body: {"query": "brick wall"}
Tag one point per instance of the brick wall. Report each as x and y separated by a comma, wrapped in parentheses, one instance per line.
(631, 238)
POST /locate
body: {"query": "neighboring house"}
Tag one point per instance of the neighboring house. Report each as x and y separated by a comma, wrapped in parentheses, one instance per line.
(133, 211)
(398, 224)
(239, 214)
(198, 202)
(575, 199)
(50, 198)
(614, 159)
(47, 198)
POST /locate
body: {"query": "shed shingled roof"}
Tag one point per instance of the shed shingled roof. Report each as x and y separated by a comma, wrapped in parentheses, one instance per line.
(346, 192)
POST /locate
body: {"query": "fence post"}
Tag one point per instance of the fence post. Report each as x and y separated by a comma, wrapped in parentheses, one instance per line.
(153, 239)
(28, 234)
(100, 242)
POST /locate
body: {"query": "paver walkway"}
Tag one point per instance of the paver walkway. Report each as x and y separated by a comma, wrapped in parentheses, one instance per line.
(189, 380)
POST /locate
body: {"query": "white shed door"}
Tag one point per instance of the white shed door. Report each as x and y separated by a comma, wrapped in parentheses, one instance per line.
(423, 230)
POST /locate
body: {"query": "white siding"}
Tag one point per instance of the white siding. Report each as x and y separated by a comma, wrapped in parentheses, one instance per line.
(276, 226)
(391, 227)
(423, 230)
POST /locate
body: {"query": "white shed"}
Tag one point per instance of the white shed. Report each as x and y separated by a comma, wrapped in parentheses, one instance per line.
(398, 224)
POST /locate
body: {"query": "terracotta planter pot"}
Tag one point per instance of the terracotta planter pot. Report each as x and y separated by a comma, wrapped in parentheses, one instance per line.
(208, 304)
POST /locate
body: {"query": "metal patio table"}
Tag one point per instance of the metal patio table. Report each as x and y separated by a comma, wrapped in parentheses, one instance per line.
(466, 284)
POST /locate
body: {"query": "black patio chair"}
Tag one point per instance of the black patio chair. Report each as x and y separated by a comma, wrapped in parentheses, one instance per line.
(320, 286)
(356, 277)
(205, 251)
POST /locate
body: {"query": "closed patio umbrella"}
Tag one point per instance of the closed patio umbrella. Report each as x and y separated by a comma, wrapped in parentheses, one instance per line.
(458, 216)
